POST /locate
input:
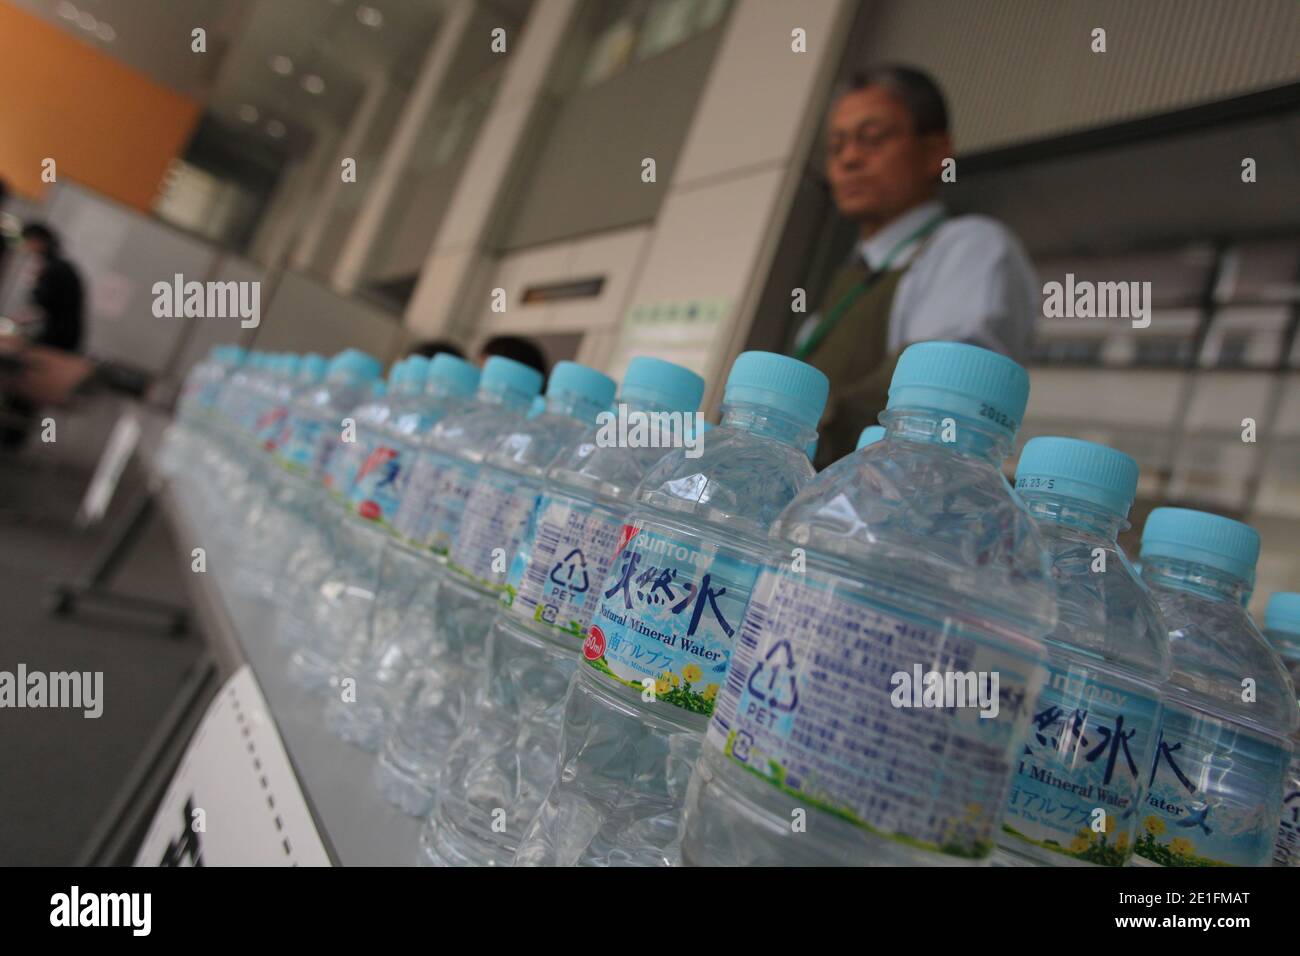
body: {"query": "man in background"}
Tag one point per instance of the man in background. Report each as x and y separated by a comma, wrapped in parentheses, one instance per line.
(917, 273)
(516, 347)
(57, 297)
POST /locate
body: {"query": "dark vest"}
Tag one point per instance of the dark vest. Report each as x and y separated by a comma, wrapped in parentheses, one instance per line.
(854, 355)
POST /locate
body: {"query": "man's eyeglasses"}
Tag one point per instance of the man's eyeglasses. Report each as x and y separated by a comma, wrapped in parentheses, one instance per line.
(867, 138)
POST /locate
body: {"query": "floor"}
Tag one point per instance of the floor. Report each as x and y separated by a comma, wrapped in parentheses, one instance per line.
(61, 770)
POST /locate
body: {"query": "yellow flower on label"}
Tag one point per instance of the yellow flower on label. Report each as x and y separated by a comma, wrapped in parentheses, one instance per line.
(1181, 846)
(663, 685)
(1154, 825)
(1121, 842)
(1079, 844)
(711, 692)
(691, 673)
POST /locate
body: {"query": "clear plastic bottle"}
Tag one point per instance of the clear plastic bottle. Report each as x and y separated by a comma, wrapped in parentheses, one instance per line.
(504, 757)
(267, 529)
(340, 602)
(907, 568)
(1077, 793)
(368, 613)
(1282, 628)
(1215, 792)
(495, 520)
(193, 426)
(315, 431)
(669, 613)
(369, 418)
(419, 669)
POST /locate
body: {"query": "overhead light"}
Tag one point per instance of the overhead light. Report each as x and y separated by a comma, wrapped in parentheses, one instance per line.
(281, 64)
(370, 17)
(86, 20)
(275, 129)
(248, 113)
(106, 33)
(313, 84)
(68, 11)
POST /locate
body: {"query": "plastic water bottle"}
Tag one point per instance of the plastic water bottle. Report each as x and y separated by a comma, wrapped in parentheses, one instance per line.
(495, 520)
(1216, 786)
(668, 616)
(1077, 792)
(1282, 628)
(368, 654)
(267, 534)
(860, 721)
(193, 425)
(421, 668)
(340, 601)
(497, 771)
(367, 419)
(314, 434)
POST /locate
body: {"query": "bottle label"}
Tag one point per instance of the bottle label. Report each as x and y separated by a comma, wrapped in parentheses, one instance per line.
(814, 704)
(495, 519)
(557, 575)
(1286, 849)
(270, 424)
(380, 479)
(1213, 797)
(300, 450)
(416, 507)
(1081, 773)
(343, 466)
(669, 613)
(433, 500)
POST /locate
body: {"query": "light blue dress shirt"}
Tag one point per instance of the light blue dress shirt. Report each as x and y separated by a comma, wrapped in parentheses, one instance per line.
(970, 281)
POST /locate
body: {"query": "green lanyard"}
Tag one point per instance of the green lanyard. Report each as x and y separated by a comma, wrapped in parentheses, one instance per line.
(837, 311)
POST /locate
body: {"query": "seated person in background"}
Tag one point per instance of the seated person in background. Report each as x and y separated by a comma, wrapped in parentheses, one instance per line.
(514, 347)
(432, 347)
(916, 274)
(57, 297)
(41, 368)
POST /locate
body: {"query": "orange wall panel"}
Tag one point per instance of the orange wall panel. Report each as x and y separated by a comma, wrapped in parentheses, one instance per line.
(106, 126)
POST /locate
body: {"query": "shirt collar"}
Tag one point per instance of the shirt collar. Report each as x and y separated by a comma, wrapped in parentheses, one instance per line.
(875, 249)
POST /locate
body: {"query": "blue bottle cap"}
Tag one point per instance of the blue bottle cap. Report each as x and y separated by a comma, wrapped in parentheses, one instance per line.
(312, 368)
(538, 406)
(780, 383)
(663, 383)
(870, 435)
(503, 376)
(963, 380)
(290, 365)
(586, 383)
(415, 374)
(451, 376)
(353, 365)
(1084, 470)
(1200, 537)
(1282, 621)
(378, 388)
(810, 449)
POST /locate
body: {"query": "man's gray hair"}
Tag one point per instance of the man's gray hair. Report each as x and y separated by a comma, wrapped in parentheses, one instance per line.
(917, 90)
